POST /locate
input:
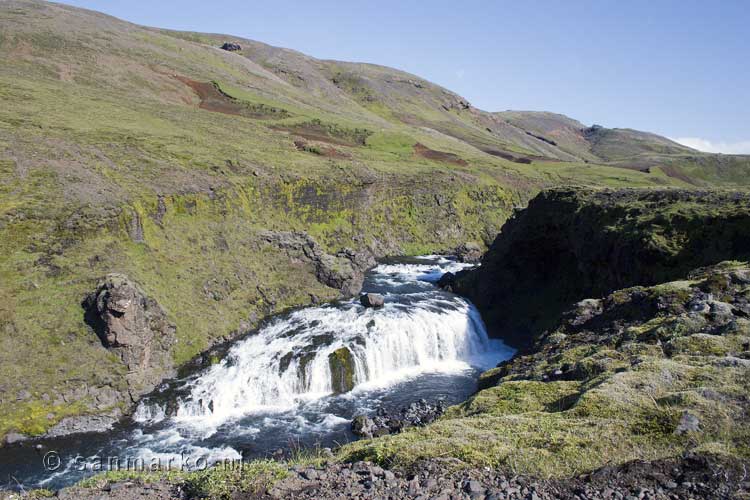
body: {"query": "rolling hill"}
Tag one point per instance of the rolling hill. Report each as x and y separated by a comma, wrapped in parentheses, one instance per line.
(195, 170)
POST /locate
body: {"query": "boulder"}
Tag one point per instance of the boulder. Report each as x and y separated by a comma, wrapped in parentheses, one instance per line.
(135, 327)
(372, 300)
(341, 365)
(469, 252)
(231, 46)
(688, 423)
(447, 281)
(364, 426)
(15, 437)
(344, 271)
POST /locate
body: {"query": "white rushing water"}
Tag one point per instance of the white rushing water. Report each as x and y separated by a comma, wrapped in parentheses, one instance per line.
(287, 361)
(275, 388)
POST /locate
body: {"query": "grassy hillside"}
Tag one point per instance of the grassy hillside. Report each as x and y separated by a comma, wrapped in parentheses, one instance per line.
(158, 155)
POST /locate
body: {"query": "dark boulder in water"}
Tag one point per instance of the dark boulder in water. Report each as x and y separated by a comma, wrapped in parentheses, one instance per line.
(416, 414)
(372, 300)
(447, 281)
(341, 364)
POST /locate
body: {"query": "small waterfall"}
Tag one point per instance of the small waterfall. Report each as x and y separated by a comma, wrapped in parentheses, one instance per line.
(290, 359)
(273, 387)
(335, 348)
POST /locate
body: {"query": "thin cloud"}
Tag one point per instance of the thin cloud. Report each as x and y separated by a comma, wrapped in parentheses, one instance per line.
(736, 148)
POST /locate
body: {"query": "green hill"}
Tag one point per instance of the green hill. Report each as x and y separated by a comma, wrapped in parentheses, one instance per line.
(160, 156)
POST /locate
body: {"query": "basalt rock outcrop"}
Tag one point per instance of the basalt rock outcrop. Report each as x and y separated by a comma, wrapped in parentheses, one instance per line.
(469, 252)
(344, 271)
(572, 244)
(134, 327)
(231, 46)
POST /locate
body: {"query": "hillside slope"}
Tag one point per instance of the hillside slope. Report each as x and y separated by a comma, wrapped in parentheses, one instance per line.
(225, 186)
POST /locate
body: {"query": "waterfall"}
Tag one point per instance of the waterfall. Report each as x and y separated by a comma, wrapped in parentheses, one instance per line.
(300, 379)
(317, 351)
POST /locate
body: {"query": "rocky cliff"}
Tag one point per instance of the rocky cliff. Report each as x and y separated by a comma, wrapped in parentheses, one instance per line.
(572, 244)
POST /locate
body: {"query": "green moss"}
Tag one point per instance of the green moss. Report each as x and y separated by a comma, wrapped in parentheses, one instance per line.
(702, 344)
(341, 365)
(392, 142)
(219, 482)
(34, 417)
(225, 481)
(517, 398)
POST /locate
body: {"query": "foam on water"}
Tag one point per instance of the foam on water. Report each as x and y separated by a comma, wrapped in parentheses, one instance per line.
(287, 362)
(276, 384)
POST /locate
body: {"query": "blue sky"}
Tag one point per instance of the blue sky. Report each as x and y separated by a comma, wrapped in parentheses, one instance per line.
(677, 68)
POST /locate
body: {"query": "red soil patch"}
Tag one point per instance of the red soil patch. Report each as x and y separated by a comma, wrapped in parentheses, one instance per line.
(211, 98)
(312, 135)
(431, 154)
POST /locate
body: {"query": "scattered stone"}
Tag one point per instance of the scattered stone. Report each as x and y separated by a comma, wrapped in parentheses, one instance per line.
(688, 423)
(372, 300)
(417, 414)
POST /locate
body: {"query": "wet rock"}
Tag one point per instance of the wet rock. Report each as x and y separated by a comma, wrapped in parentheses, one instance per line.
(15, 437)
(372, 300)
(231, 46)
(341, 364)
(447, 281)
(415, 415)
(82, 424)
(135, 327)
(469, 252)
(364, 426)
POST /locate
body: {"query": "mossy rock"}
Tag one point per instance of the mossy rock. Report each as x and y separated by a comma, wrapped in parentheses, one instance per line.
(341, 364)
(700, 344)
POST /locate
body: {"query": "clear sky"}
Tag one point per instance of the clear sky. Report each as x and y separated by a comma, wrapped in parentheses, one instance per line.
(680, 68)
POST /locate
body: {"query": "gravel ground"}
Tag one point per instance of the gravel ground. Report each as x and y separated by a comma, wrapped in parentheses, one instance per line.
(691, 477)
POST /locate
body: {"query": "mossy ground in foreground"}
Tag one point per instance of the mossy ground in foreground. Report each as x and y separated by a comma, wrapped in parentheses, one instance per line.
(616, 381)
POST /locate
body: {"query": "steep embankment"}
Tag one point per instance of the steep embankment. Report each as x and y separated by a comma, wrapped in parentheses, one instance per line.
(646, 372)
(572, 244)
